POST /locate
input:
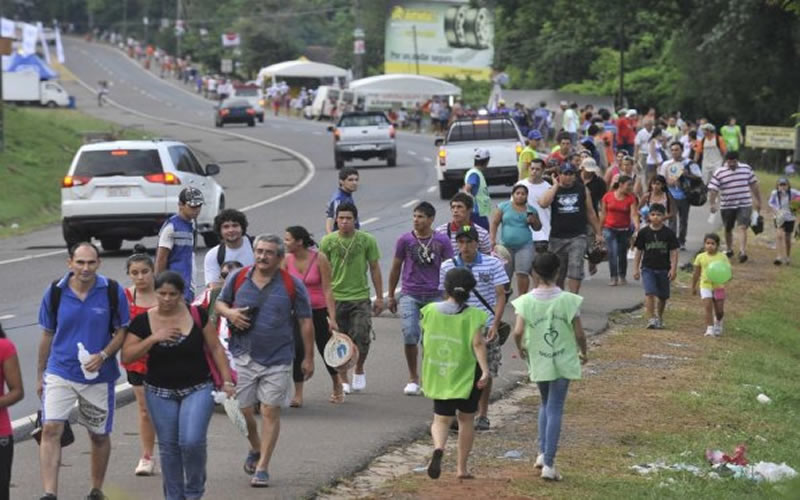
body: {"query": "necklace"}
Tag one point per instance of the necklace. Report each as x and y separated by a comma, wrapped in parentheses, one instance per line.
(346, 248)
(423, 250)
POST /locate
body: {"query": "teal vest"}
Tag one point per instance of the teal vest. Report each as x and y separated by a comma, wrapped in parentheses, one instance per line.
(482, 200)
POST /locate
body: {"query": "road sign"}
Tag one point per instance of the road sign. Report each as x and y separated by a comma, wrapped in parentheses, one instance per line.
(226, 66)
(231, 39)
(757, 136)
(359, 47)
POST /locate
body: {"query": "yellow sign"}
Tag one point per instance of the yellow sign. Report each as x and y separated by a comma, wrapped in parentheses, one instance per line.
(769, 137)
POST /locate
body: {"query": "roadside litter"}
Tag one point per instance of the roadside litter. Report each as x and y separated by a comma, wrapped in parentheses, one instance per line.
(512, 455)
(763, 399)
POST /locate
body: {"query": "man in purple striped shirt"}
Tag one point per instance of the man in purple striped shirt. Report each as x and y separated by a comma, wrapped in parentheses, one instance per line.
(737, 187)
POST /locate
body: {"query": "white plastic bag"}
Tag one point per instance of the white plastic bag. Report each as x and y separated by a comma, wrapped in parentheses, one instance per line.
(714, 219)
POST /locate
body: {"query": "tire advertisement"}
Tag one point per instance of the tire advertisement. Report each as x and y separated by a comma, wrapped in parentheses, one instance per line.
(453, 38)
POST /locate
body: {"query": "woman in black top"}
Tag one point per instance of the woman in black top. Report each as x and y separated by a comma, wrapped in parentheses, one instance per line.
(178, 382)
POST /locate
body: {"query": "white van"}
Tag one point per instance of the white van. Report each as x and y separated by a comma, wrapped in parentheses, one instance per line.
(325, 102)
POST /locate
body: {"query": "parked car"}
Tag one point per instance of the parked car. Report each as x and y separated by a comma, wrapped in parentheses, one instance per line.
(125, 190)
(364, 135)
(499, 134)
(234, 111)
(253, 95)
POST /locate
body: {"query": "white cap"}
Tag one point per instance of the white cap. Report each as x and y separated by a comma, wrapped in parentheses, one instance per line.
(632, 113)
(482, 154)
(590, 165)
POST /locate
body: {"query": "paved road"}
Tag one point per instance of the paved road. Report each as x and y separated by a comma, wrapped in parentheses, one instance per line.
(319, 443)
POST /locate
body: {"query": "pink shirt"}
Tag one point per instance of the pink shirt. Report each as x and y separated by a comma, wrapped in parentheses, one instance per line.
(312, 278)
(7, 350)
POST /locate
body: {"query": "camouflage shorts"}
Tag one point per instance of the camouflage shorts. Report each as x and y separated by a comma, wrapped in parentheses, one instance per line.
(494, 355)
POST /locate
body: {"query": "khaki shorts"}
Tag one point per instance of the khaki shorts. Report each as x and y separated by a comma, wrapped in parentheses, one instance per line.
(95, 403)
(355, 319)
(268, 385)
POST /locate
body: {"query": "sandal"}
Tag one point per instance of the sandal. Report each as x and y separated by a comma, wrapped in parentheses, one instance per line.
(336, 399)
(296, 404)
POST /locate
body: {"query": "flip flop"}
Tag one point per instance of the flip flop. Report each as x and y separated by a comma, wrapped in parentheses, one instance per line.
(435, 467)
(336, 398)
(295, 404)
(466, 476)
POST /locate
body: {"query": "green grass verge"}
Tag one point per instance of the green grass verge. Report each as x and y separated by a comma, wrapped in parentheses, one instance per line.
(39, 146)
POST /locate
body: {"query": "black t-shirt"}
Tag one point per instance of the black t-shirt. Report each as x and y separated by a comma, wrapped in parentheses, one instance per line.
(656, 246)
(568, 215)
(174, 365)
(597, 188)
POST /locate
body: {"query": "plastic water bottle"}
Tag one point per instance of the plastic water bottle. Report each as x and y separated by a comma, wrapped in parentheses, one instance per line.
(83, 358)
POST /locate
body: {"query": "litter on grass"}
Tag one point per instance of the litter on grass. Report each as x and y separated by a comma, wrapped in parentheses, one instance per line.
(513, 455)
(716, 457)
(763, 399)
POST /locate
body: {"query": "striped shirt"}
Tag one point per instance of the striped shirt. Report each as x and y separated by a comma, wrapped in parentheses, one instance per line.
(484, 243)
(733, 185)
(488, 272)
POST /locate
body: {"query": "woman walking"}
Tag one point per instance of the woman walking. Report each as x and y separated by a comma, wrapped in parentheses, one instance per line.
(516, 219)
(548, 333)
(617, 215)
(178, 382)
(10, 376)
(141, 297)
(314, 270)
(657, 193)
(780, 201)
(454, 367)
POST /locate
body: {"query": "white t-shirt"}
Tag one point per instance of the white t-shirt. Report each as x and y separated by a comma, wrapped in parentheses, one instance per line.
(535, 191)
(571, 120)
(243, 254)
(642, 139)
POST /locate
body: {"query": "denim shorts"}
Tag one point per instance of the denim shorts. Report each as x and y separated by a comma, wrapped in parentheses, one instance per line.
(408, 306)
(570, 252)
(522, 259)
(656, 282)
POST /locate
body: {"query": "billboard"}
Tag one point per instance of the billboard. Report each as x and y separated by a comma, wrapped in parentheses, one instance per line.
(448, 38)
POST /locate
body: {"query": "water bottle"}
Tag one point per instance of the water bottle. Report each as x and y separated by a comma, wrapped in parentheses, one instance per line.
(83, 358)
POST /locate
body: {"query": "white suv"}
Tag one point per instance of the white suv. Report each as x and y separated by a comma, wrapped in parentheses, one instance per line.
(125, 190)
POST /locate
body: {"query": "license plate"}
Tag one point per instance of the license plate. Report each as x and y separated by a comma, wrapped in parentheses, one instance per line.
(364, 147)
(119, 192)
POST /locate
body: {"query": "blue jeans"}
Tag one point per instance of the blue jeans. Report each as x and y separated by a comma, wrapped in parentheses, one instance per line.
(409, 306)
(553, 393)
(181, 425)
(617, 241)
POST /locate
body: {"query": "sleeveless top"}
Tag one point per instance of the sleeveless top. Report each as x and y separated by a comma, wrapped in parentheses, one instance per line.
(312, 278)
(140, 365)
(568, 214)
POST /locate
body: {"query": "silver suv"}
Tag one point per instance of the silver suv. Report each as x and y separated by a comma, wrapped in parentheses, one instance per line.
(125, 190)
(363, 135)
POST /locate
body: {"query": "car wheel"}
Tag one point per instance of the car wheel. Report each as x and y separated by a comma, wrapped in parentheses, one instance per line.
(447, 190)
(221, 206)
(72, 236)
(111, 244)
(261, 118)
(338, 161)
(210, 239)
(391, 160)
(51, 104)
(251, 123)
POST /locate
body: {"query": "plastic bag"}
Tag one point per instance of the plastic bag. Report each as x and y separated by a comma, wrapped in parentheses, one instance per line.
(715, 220)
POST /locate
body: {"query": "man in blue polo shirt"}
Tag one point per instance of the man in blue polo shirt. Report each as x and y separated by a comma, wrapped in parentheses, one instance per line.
(176, 239)
(263, 313)
(77, 363)
(348, 184)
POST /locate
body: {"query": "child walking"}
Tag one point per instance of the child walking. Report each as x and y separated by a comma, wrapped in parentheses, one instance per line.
(455, 367)
(780, 201)
(712, 294)
(656, 261)
(548, 334)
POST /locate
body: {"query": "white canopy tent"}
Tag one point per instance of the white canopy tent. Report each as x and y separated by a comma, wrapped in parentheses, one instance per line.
(400, 90)
(301, 68)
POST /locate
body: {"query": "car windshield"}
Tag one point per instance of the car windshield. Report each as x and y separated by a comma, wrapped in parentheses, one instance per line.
(129, 162)
(236, 104)
(363, 120)
(482, 130)
(246, 92)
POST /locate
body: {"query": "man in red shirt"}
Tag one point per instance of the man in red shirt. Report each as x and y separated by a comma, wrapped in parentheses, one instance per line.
(626, 135)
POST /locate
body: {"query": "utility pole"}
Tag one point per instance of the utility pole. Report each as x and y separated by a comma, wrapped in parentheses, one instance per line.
(416, 52)
(358, 42)
(621, 64)
(125, 19)
(177, 33)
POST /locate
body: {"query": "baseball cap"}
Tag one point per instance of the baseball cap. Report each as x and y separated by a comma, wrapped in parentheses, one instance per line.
(191, 196)
(482, 154)
(468, 231)
(631, 113)
(563, 103)
(567, 168)
(590, 165)
(535, 135)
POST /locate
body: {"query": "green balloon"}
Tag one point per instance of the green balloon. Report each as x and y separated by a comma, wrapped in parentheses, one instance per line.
(719, 272)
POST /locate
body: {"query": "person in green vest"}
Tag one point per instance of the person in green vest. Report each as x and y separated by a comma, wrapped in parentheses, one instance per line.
(475, 184)
(548, 334)
(732, 135)
(455, 367)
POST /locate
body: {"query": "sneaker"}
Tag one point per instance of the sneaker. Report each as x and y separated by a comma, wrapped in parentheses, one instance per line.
(251, 461)
(346, 388)
(550, 473)
(482, 424)
(95, 494)
(146, 467)
(742, 258)
(777, 262)
(359, 382)
(539, 463)
(411, 389)
(683, 247)
(435, 467)
(652, 323)
(729, 253)
(659, 324)
(260, 479)
(709, 331)
(718, 329)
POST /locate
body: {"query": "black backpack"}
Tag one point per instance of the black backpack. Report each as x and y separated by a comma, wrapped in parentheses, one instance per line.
(113, 301)
(696, 192)
(222, 247)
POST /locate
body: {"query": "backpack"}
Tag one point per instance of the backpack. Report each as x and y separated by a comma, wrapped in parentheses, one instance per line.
(222, 247)
(696, 191)
(113, 302)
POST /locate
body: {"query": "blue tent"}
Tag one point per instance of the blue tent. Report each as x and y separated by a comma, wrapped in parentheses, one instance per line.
(31, 62)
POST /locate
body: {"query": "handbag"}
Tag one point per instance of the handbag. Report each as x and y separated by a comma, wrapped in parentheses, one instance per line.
(216, 376)
(67, 437)
(503, 328)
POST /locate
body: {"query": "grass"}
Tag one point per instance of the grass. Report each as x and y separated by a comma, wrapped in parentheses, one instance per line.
(39, 146)
(633, 409)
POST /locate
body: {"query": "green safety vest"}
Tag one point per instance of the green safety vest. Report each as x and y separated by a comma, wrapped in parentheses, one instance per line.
(482, 199)
(448, 361)
(549, 337)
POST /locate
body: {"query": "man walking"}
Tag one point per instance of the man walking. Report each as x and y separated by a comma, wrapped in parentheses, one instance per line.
(460, 209)
(537, 186)
(529, 153)
(351, 252)
(231, 225)
(348, 184)
(488, 295)
(418, 255)
(176, 239)
(263, 312)
(709, 151)
(475, 184)
(737, 187)
(677, 171)
(83, 317)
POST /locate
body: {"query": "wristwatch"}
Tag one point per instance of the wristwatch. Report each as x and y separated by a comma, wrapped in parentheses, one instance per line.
(103, 355)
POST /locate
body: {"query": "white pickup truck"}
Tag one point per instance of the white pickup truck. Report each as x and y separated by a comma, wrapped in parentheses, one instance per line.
(498, 134)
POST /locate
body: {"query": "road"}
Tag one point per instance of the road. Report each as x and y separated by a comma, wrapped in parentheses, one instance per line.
(319, 442)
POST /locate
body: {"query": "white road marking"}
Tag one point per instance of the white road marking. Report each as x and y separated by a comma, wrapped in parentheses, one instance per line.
(369, 221)
(412, 153)
(6, 316)
(427, 159)
(432, 189)
(31, 257)
(409, 203)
